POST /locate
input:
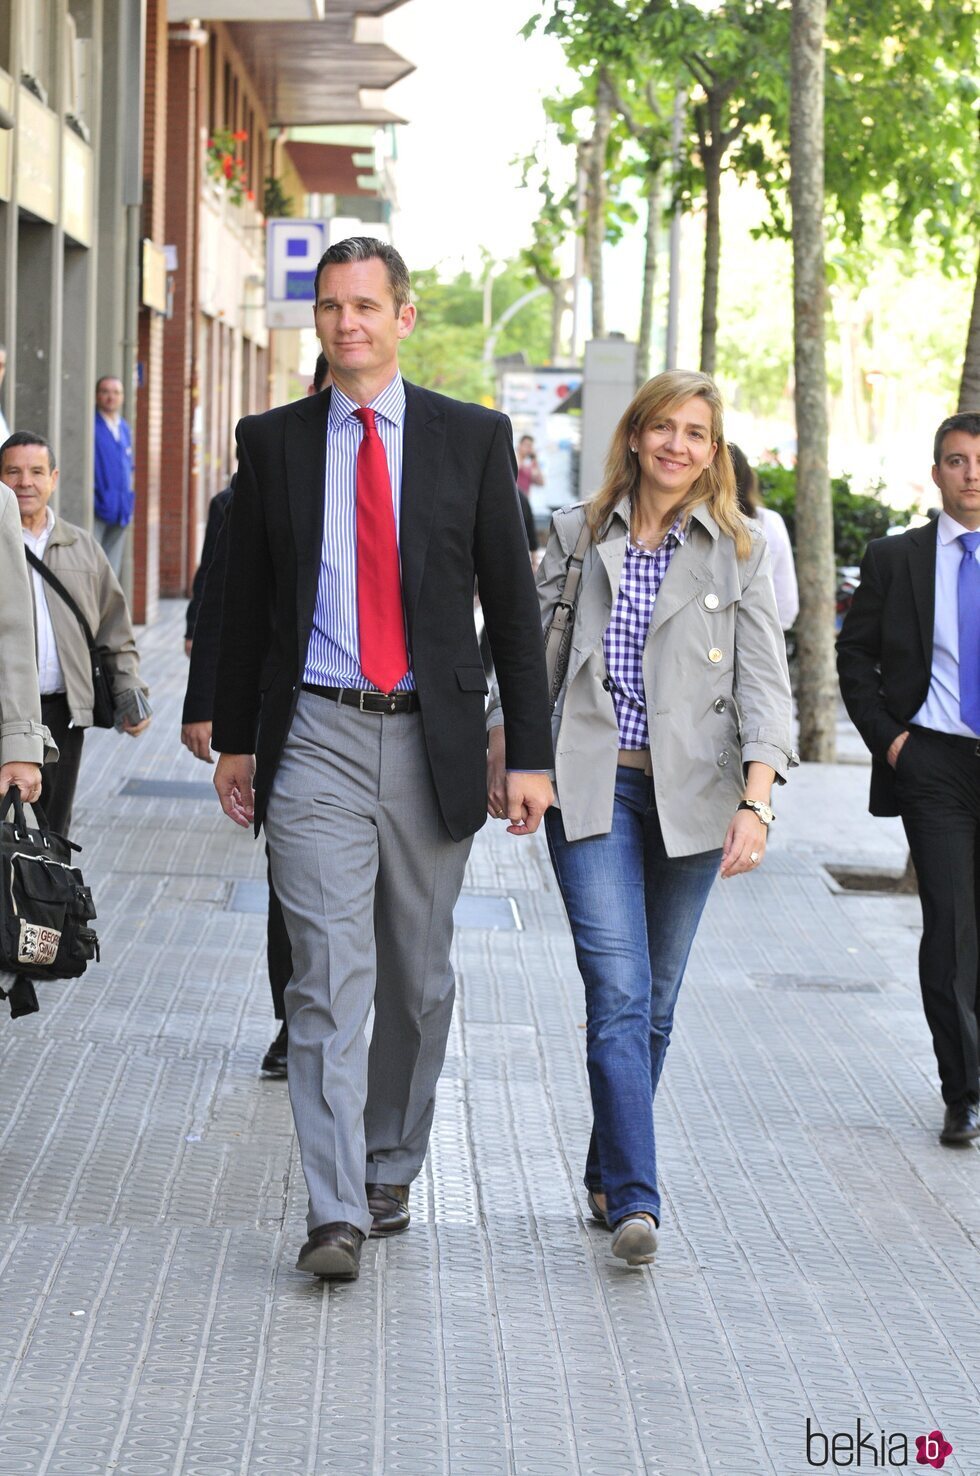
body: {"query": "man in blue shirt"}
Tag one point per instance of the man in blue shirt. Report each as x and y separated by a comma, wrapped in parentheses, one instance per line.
(114, 496)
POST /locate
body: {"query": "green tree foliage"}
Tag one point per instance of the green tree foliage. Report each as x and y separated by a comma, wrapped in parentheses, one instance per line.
(445, 352)
(858, 517)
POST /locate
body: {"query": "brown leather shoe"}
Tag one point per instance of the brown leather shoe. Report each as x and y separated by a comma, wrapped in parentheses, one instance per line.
(961, 1123)
(333, 1251)
(388, 1204)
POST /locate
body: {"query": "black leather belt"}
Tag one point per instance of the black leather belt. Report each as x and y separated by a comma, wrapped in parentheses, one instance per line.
(381, 702)
(954, 740)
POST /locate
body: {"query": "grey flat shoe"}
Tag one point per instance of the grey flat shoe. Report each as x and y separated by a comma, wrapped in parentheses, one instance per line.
(598, 1215)
(635, 1240)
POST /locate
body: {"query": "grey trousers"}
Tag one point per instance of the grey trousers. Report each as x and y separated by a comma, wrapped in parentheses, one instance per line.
(113, 540)
(368, 877)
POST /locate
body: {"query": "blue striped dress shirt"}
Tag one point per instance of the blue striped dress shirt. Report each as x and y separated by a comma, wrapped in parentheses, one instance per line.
(333, 658)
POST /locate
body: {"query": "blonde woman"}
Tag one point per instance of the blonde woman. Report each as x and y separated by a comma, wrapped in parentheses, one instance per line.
(672, 723)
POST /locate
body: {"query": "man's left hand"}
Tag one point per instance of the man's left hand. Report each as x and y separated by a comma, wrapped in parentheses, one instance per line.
(135, 729)
(528, 796)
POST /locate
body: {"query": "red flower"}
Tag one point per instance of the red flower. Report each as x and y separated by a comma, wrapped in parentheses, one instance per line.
(240, 137)
(228, 165)
(250, 196)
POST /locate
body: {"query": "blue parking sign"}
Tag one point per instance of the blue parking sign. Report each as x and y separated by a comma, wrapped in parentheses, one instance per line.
(293, 248)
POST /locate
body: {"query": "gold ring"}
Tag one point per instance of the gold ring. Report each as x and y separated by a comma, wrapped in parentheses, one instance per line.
(753, 857)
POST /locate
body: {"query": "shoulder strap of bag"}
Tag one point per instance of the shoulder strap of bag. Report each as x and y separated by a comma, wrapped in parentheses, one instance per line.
(559, 634)
(577, 558)
(60, 589)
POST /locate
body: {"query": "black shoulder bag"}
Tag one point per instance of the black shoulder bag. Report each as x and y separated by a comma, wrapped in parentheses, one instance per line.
(45, 906)
(103, 704)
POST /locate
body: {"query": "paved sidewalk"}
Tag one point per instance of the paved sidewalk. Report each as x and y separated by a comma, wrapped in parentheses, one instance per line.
(819, 1254)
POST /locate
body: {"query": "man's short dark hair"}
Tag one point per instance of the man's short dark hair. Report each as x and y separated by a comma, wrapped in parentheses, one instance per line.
(320, 372)
(966, 420)
(368, 248)
(104, 379)
(28, 438)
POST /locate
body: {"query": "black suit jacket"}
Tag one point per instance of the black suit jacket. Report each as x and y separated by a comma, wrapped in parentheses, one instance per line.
(460, 523)
(884, 650)
(209, 583)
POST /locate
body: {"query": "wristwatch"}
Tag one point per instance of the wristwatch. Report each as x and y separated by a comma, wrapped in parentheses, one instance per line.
(764, 812)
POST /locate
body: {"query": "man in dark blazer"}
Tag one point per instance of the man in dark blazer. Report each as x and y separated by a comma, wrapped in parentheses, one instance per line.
(908, 657)
(349, 666)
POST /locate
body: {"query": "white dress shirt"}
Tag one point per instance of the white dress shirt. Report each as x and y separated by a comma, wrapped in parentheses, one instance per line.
(783, 569)
(941, 709)
(50, 676)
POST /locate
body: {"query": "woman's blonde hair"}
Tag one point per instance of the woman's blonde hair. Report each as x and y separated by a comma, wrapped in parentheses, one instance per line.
(715, 487)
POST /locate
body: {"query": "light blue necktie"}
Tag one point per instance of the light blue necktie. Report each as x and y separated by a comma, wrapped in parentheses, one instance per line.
(968, 611)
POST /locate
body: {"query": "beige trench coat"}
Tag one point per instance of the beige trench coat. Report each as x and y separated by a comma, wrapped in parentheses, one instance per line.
(23, 737)
(714, 672)
(79, 562)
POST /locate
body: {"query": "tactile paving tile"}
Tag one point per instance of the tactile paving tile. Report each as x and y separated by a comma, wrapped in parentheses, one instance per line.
(819, 1252)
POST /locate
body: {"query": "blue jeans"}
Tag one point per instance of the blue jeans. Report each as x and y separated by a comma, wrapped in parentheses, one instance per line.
(633, 913)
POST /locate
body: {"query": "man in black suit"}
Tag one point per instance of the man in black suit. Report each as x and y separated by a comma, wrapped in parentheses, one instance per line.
(350, 667)
(908, 658)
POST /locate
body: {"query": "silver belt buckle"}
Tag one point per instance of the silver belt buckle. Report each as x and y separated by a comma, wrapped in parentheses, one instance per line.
(360, 701)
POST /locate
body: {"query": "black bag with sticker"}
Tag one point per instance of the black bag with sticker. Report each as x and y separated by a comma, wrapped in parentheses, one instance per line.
(45, 906)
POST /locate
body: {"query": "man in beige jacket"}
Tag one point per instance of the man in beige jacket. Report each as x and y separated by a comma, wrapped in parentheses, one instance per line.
(24, 741)
(27, 465)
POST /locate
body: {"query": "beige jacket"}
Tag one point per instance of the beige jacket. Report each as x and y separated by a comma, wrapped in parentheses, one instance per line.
(23, 737)
(714, 671)
(79, 562)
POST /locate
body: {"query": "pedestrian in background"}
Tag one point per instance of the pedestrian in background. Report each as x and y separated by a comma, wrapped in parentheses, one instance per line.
(114, 495)
(672, 722)
(204, 624)
(908, 658)
(349, 656)
(781, 560)
(27, 465)
(529, 474)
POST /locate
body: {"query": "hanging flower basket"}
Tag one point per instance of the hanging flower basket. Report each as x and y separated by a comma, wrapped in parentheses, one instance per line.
(226, 167)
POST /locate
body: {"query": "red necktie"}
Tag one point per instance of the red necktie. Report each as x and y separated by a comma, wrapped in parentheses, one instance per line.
(380, 614)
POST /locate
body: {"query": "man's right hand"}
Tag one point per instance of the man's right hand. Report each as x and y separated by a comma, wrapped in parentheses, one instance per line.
(233, 781)
(896, 746)
(27, 778)
(197, 738)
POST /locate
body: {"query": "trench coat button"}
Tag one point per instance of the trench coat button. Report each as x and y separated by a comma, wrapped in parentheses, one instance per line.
(723, 759)
(711, 602)
(720, 705)
(606, 684)
(714, 654)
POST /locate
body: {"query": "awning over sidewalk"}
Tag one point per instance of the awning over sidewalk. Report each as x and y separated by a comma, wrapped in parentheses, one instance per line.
(329, 169)
(315, 72)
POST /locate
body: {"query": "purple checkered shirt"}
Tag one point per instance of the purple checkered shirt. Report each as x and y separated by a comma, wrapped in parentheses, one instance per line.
(643, 573)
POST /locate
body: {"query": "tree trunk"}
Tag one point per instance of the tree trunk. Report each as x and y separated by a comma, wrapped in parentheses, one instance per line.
(817, 692)
(645, 339)
(596, 201)
(674, 269)
(970, 383)
(711, 163)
